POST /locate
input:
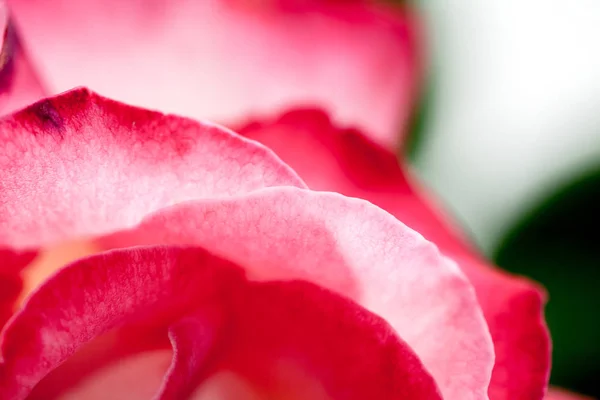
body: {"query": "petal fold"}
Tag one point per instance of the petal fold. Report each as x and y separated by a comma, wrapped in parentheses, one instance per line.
(350, 351)
(344, 161)
(101, 293)
(353, 248)
(97, 165)
(192, 338)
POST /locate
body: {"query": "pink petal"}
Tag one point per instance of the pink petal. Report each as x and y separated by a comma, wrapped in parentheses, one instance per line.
(288, 234)
(19, 84)
(342, 160)
(224, 60)
(355, 249)
(97, 166)
(561, 394)
(352, 352)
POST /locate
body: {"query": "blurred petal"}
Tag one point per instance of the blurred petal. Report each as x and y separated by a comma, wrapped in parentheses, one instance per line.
(19, 85)
(348, 350)
(97, 166)
(355, 249)
(344, 161)
(224, 60)
(560, 394)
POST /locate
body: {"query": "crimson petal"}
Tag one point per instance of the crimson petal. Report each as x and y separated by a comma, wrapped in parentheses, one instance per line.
(352, 352)
(100, 293)
(192, 339)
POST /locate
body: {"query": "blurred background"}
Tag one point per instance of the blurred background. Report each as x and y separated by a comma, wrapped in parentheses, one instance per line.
(508, 135)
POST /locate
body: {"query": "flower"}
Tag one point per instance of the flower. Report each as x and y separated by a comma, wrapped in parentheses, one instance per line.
(214, 264)
(128, 177)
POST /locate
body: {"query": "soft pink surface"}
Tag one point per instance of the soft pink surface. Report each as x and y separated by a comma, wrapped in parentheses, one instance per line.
(342, 160)
(19, 84)
(79, 165)
(101, 167)
(224, 60)
(353, 248)
(352, 353)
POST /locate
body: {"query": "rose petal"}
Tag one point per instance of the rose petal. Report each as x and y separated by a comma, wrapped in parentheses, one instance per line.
(342, 160)
(97, 165)
(355, 249)
(352, 352)
(98, 294)
(277, 234)
(224, 60)
(192, 338)
(19, 85)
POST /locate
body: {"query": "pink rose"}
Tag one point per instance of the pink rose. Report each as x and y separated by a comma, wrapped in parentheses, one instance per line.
(338, 293)
(203, 264)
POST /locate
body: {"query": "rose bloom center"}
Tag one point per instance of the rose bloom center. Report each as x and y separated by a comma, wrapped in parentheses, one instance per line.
(293, 384)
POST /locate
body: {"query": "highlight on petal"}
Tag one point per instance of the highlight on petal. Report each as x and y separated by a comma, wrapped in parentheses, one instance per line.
(223, 60)
(348, 351)
(19, 84)
(354, 249)
(344, 161)
(97, 165)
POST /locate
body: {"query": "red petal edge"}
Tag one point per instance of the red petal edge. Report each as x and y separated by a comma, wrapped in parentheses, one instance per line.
(343, 160)
(95, 165)
(352, 248)
(353, 353)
